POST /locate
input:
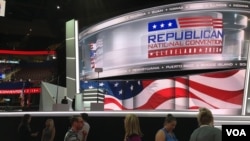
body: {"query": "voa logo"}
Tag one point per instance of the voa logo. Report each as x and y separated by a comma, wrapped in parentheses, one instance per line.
(236, 132)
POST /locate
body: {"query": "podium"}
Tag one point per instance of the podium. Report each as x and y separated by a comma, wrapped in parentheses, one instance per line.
(93, 98)
(96, 106)
(60, 107)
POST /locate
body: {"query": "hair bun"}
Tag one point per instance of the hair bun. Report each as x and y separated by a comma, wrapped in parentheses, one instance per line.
(169, 115)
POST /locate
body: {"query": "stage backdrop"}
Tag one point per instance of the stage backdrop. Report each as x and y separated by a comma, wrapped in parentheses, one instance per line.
(200, 35)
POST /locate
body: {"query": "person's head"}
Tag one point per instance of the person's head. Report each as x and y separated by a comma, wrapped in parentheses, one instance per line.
(170, 122)
(205, 117)
(132, 125)
(76, 122)
(84, 116)
(26, 118)
(49, 123)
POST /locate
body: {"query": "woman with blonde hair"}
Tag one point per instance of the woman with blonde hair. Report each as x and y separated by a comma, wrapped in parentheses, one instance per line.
(49, 131)
(132, 128)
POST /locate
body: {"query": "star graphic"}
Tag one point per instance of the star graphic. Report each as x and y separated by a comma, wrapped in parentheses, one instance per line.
(139, 82)
(116, 84)
(101, 84)
(162, 25)
(154, 26)
(170, 24)
(131, 87)
(120, 92)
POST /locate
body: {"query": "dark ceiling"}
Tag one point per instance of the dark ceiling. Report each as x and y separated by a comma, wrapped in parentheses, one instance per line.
(40, 25)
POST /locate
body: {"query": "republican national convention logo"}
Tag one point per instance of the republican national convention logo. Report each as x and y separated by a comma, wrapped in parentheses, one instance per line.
(185, 36)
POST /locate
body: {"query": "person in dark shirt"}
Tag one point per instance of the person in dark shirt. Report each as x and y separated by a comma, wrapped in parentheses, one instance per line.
(24, 130)
(73, 103)
(64, 100)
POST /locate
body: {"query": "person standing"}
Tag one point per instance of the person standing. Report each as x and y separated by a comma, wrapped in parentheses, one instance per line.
(132, 128)
(83, 134)
(48, 133)
(76, 125)
(64, 100)
(73, 103)
(206, 130)
(167, 132)
(24, 131)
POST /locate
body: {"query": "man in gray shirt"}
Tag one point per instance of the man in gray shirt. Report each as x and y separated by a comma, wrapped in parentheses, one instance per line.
(76, 125)
(206, 131)
(83, 134)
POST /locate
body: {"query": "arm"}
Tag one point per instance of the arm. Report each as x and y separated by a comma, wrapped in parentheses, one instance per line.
(160, 136)
(191, 138)
(218, 136)
(42, 135)
(53, 134)
(30, 132)
(34, 134)
(84, 135)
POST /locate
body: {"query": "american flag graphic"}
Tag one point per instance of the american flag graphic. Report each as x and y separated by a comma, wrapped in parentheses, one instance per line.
(204, 21)
(92, 54)
(186, 22)
(95, 51)
(22, 98)
(220, 90)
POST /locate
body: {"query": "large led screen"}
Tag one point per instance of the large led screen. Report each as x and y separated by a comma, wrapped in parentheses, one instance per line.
(183, 36)
(222, 90)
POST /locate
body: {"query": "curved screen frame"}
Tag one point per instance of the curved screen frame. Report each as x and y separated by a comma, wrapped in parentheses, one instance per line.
(126, 61)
